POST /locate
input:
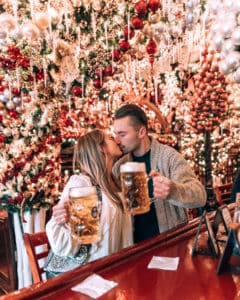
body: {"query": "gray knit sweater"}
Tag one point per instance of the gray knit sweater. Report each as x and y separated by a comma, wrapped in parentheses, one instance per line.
(186, 191)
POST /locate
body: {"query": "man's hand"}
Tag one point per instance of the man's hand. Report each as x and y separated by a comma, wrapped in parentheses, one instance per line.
(161, 185)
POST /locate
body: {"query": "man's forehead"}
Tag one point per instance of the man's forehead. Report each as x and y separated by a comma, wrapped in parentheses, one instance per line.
(121, 124)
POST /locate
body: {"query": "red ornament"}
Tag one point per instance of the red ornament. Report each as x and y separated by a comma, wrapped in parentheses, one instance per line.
(99, 73)
(1, 138)
(124, 45)
(151, 47)
(19, 198)
(137, 23)
(1, 119)
(141, 8)
(68, 122)
(40, 75)
(77, 91)
(130, 35)
(154, 5)
(13, 114)
(16, 92)
(108, 71)
(97, 84)
(24, 62)
(116, 55)
(2, 88)
(12, 49)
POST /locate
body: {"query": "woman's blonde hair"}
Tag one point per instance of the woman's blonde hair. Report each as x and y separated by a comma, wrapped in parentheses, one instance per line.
(89, 159)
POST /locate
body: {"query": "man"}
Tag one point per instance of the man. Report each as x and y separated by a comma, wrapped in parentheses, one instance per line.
(173, 182)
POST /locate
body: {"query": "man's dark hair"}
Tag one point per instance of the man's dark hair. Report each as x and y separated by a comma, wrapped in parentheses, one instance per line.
(137, 115)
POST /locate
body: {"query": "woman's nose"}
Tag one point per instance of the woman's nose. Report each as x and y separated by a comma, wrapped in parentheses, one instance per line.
(117, 140)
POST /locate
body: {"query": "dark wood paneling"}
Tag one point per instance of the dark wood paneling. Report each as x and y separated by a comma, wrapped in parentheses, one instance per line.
(8, 278)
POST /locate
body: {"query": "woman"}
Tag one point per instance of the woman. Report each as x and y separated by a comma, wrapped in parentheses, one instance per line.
(94, 155)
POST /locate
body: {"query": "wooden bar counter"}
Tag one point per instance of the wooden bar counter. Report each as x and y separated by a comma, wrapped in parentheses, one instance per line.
(195, 278)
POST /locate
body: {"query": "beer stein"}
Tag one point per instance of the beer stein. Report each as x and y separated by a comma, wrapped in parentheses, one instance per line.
(84, 215)
(134, 184)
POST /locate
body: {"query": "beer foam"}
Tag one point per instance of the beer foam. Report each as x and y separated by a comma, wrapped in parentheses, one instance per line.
(132, 166)
(82, 191)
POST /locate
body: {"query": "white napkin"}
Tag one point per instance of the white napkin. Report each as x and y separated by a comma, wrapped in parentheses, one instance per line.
(94, 286)
(164, 263)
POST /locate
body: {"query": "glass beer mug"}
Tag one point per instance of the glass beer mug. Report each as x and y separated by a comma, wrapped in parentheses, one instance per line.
(134, 184)
(84, 215)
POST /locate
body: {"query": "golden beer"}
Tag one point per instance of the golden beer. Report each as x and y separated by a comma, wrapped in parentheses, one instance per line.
(134, 183)
(84, 215)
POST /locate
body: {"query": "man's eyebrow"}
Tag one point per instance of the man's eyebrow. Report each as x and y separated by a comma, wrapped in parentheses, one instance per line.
(121, 131)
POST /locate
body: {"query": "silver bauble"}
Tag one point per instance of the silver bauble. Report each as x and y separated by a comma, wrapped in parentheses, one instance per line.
(236, 76)
(215, 6)
(236, 36)
(228, 28)
(16, 100)
(233, 59)
(217, 41)
(215, 28)
(189, 18)
(7, 93)
(227, 46)
(229, 4)
(189, 4)
(3, 99)
(224, 68)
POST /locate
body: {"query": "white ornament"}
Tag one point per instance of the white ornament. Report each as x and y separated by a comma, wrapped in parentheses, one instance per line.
(96, 5)
(7, 22)
(7, 132)
(30, 31)
(10, 105)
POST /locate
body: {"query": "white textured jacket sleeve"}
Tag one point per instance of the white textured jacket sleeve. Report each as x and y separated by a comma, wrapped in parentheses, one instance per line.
(60, 235)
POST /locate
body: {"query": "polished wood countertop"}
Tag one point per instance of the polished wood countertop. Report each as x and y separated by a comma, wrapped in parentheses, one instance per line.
(195, 278)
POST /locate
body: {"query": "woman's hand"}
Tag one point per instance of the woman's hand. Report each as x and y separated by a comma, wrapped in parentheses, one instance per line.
(60, 213)
(161, 185)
